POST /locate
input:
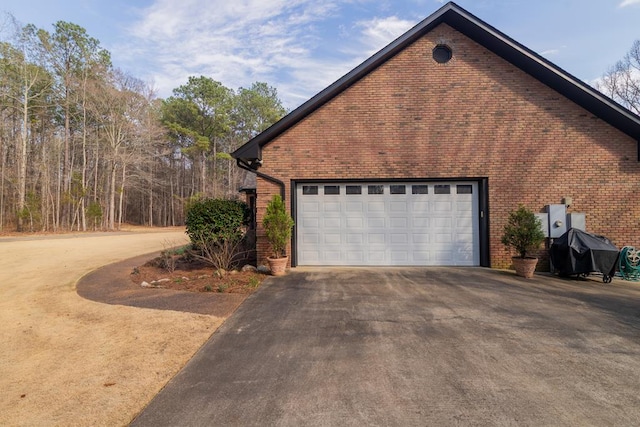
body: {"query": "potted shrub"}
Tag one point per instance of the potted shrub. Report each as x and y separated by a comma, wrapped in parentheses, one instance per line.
(277, 224)
(523, 232)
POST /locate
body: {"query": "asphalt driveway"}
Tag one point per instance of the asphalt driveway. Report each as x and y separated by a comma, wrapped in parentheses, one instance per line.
(436, 346)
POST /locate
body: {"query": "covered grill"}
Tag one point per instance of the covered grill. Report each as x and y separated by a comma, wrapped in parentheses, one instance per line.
(581, 253)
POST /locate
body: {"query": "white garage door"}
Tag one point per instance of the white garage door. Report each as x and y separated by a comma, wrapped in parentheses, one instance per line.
(388, 224)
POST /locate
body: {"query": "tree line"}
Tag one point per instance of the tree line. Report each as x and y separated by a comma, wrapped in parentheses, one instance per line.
(84, 145)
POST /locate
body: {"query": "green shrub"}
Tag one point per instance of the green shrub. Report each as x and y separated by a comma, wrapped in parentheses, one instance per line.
(523, 231)
(277, 224)
(215, 227)
(216, 220)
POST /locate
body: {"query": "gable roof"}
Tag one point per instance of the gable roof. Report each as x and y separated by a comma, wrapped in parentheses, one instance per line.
(484, 34)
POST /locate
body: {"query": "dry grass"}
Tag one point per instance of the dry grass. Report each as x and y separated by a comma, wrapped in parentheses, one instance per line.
(68, 361)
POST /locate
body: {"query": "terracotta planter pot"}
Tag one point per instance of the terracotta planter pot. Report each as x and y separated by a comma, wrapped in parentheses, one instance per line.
(525, 267)
(278, 266)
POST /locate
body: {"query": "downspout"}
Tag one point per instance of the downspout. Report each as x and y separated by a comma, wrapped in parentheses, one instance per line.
(244, 165)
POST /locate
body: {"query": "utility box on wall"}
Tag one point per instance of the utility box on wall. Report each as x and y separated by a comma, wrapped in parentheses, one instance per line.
(544, 223)
(557, 220)
(577, 220)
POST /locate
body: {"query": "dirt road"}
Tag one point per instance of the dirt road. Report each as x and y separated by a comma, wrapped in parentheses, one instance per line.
(68, 361)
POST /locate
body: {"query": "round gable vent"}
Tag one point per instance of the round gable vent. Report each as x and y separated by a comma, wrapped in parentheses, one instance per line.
(442, 54)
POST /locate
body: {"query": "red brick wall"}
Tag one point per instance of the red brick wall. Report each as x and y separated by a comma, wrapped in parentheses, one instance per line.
(475, 116)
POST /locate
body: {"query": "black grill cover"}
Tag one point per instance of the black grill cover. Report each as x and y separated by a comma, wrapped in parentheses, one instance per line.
(579, 252)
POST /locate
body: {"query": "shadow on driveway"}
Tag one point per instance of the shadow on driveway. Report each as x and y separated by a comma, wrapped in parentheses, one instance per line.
(416, 346)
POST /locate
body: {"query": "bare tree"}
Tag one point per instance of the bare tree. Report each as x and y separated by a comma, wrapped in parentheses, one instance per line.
(119, 105)
(622, 81)
(26, 83)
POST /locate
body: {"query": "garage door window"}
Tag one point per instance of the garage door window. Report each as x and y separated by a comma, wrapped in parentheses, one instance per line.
(376, 189)
(398, 189)
(331, 189)
(442, 189)
(309, 190)
(464, 189)
(354, 189)
(419, 189)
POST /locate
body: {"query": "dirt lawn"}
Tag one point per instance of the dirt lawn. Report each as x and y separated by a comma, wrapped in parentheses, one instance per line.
(69, 361)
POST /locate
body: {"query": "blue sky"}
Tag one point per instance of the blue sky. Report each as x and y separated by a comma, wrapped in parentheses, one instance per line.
(302, 46)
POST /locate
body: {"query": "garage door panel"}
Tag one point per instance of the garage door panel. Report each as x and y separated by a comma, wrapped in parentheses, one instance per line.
(376, 257)
(376, 223)
(441, 222)
(417, 207)
(464, 223)
(398, 206)
(442, 206)
(418, 222)
(376, 206)
(355, 238)
(464, 255)
(332, 238)
(463, 207)
(401, 222)
(355, 223)
(331, 222)
(310, 222)
(355, 257)
(377, 238)
(311, 257)
(444, 238)
(420, 237)
(354, 207)
(331, 206)
(388, 224)
(310, 238)
(421, 257)
(443, 256)
(311, 206)
(399, 238)
(464, 238)
(332, 256)
(399, 257)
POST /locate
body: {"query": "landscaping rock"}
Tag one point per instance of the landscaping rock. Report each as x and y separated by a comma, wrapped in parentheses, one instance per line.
(153, 285)
(249, 268)
(264, 269)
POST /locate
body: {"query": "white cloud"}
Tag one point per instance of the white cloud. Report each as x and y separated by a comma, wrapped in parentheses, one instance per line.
(379, 32)
(235, 42)
(286, 43)
(626, 3)
(550, 52)
(553, 52)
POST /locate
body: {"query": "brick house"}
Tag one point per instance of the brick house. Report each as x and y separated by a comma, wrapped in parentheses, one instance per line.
(417, 156)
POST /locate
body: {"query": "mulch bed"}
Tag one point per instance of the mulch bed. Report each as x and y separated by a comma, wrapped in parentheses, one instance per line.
(114, 284)
(192, 275)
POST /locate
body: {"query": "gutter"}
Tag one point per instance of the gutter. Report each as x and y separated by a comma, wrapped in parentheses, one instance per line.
(244, 165)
